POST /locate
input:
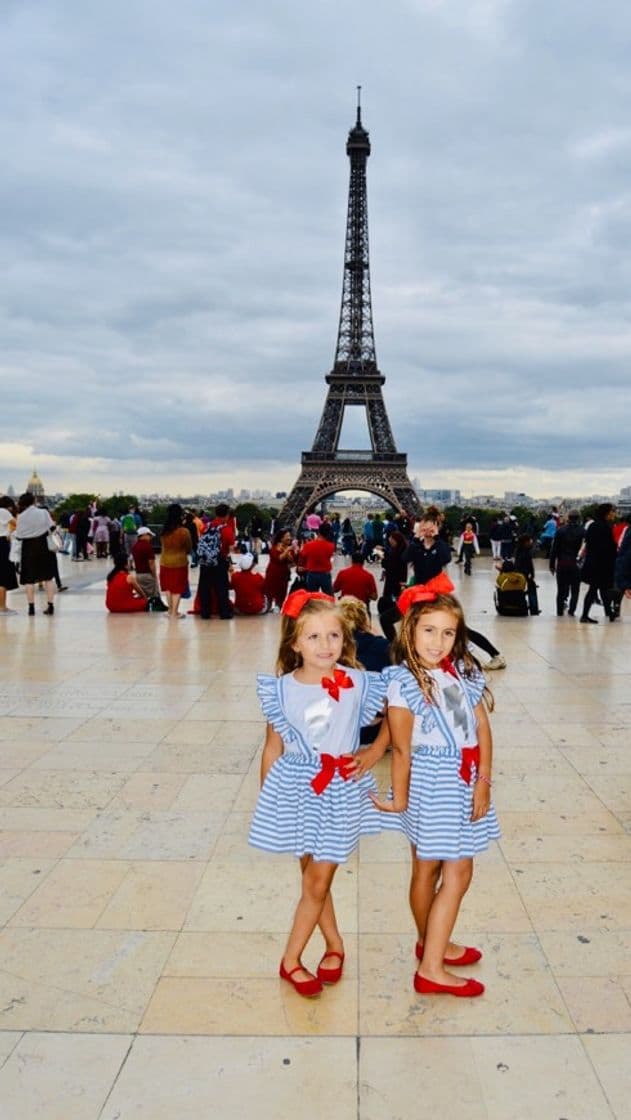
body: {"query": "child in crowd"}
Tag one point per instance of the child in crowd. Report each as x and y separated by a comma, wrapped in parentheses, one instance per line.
(468, 547)
(441, 774)
(307, 806)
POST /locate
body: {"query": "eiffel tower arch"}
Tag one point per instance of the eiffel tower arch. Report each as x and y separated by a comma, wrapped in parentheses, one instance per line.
(354, 381)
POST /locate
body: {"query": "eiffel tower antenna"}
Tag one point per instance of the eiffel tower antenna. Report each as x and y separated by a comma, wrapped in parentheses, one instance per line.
(355, 380)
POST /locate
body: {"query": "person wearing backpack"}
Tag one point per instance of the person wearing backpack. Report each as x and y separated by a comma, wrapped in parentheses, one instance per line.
(129, 527)
(214, 554)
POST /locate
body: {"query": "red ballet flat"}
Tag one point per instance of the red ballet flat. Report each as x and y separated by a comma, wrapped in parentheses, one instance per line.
(308, 988)
(470, 956)
(430, 987)
(331, 975)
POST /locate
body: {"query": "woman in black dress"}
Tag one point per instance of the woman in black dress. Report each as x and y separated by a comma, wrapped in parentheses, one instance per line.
(37, 561)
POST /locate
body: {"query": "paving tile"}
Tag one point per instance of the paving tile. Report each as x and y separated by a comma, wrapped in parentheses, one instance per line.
(592, 952)
(245, 1007)
(8, 1042)
(152, 896)
(49, 789)
(261, 899)
(19, 879)
(61, 1077)
(73, 895)
(525, 1078)
(521, 995)
(574, 895)
(35, 845)
(609, 1055)
(74, 979)
(395, 1075)
(229, 1077)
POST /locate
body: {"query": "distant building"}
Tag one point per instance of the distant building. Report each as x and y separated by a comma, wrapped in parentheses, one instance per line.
(517, 498)
(35, 486)
(445, 497)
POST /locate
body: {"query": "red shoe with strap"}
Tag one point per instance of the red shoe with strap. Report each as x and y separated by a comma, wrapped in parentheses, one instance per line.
(425, 987)
(470, 956)
(331, 975)
(309, 988)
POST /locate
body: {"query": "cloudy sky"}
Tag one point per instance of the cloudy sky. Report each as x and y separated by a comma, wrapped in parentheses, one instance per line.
(173, 205)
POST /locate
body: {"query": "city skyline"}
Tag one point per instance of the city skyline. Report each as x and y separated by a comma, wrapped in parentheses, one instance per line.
(174, 239)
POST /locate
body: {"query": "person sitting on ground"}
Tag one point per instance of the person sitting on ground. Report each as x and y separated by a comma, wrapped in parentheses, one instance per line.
(145, 564)
(124, 594)
(356, 581)
(248, 587)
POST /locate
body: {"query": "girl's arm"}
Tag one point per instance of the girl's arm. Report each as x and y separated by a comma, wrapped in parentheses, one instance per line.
(401, 724)
(482, 788)
(272, 750)
(366, 758)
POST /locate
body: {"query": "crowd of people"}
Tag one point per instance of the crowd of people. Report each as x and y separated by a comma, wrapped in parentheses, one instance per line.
(151, 570)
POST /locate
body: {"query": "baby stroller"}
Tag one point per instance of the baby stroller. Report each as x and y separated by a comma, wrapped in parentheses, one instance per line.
(510, 591)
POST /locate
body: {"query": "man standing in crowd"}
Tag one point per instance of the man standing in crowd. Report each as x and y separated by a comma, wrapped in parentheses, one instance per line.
(564, 550)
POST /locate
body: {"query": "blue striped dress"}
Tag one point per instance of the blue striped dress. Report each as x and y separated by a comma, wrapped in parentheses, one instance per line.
(437, 821)
(289, 816)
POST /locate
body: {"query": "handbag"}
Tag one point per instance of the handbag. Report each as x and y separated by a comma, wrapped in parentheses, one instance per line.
(53, 541)
(15, 551)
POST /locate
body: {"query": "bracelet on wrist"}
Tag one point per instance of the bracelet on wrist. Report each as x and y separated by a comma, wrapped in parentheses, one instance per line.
(483, 778)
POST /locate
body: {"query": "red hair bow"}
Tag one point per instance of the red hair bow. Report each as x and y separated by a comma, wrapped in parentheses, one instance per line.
(425, 592)
(295, 602)
(340, 680)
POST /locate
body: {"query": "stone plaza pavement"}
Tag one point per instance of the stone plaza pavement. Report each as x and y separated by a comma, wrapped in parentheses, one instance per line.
(140, 936)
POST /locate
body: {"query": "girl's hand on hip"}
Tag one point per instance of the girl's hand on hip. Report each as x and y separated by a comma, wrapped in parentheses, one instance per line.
(362, 763)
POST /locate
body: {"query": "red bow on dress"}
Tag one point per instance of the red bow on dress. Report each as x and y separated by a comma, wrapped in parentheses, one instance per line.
(328, 765)
(470, 758)
(295, 602)
(448, 666)
(339, 680)
(425, 592)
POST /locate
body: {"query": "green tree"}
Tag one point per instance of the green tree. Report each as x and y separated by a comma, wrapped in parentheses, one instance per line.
(73, 502)
(245, 511)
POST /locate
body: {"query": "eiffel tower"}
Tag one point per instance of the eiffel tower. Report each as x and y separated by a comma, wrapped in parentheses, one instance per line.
(355, 380)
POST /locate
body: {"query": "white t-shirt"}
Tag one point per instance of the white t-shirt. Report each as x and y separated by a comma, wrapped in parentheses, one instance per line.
(454, 706)
(328, 726)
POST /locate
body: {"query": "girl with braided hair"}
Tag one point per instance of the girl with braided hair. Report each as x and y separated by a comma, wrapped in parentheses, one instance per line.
(441, 774)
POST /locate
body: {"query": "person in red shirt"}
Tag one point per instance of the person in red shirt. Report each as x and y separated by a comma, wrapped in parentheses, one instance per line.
(145, 563)
(123, 594)
(248, 587)
(315, 559)
(356, 581)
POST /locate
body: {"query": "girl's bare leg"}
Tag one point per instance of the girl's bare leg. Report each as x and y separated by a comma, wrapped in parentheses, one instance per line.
(175, 602)
(327, 921)
(423, 884)
(423, 887)
(441, 920)
(317, 878)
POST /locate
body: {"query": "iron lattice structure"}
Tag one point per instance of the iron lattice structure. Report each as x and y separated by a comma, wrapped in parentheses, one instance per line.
(354, 381)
